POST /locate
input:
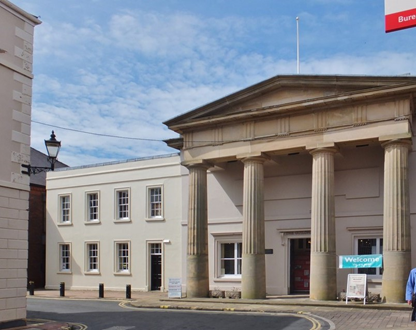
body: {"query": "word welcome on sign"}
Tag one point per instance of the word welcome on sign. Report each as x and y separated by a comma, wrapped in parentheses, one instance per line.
(361, 261)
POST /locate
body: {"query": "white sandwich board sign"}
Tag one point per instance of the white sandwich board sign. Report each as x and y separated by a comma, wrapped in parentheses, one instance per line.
(356, 286)
(175, 288)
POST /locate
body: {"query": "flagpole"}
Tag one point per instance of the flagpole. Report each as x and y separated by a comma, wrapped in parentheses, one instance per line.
(297, 44)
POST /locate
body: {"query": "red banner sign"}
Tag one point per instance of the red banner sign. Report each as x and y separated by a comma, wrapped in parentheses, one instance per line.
(402, 20)
(400, 14)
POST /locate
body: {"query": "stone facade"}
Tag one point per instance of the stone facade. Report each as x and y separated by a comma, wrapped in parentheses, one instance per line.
(329, 146)
(16, 60)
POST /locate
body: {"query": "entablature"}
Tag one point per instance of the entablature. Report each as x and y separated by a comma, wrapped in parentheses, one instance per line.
(280, 145)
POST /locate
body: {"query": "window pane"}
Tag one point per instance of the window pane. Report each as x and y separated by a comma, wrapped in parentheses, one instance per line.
(93, 206)
(65, 257)
(367, 246)
(155, 248)
(123, 256)
(123, 204)
(239, 263)
(92, 256)
(230, 263)
(227, 266)
(228, 250)
(65, 209)
(155, 202)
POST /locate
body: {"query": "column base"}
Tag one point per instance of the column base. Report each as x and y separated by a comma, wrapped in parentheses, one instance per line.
(197, 282)
(253, 284)
(323, 280)
(395, 275)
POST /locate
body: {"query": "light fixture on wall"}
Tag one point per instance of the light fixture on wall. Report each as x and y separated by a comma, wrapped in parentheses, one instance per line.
(52, 147)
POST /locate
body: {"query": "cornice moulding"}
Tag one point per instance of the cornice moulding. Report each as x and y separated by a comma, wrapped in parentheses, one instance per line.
(401, 91)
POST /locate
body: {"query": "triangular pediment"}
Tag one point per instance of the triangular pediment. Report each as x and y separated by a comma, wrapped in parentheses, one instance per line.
(284, 91)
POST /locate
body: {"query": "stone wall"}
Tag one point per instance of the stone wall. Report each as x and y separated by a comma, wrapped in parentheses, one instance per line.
(13, 253)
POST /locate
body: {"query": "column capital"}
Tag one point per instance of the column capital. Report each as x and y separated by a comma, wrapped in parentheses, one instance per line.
(332, 150)
(259, 158)
(403, 142)
(202, 164)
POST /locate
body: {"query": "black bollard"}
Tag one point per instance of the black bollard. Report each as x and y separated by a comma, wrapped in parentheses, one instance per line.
(101, 290)
(128, 291)
(31, 288)
(62, 289)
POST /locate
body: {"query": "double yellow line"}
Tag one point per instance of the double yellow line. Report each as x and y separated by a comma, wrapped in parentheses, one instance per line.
(316, 325)
(38, 322)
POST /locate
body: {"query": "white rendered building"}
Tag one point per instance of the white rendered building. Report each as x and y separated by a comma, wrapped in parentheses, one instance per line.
(118, 224)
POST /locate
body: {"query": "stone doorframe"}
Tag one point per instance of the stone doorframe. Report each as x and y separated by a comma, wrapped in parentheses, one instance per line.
(285, 236)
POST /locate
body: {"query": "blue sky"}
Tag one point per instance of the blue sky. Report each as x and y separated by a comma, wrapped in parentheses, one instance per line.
(122, 67)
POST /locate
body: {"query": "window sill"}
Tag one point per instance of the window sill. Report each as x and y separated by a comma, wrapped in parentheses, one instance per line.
(122, 273)
(92, 222)
(122, 220)
(62, 272)
(63, 224)
(155, 219)
(92, 273)
(228, 279)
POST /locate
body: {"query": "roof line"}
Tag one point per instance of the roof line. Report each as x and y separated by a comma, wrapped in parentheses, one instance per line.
(115, 162)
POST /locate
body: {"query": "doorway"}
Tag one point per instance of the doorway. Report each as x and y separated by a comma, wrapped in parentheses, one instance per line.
(300, 261)
(155, 266)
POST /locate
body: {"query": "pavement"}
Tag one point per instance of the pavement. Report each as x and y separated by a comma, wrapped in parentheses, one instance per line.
(354, 315)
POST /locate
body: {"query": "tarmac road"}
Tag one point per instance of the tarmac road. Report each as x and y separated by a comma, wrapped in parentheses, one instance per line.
(112, 315)
(337, 314)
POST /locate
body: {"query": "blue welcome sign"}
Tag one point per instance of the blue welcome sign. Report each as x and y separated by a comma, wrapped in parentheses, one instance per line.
(361, 261)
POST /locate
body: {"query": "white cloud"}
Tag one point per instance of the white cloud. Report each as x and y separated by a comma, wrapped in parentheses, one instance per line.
(383, 63)
(126, 72)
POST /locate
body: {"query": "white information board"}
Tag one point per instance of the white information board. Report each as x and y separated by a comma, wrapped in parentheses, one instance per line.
(175, 288)
(356, 286)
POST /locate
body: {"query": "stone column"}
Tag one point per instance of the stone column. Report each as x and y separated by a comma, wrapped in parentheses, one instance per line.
(396, 223)
(253, 284)
(323, 273)
(197, 282)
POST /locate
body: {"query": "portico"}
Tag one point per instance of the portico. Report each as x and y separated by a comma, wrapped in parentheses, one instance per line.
(320, 118)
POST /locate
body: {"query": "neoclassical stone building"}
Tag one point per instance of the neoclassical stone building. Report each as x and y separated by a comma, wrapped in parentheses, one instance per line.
(294, 171)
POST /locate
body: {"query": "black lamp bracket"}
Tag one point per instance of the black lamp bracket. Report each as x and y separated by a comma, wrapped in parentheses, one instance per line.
(34, 169)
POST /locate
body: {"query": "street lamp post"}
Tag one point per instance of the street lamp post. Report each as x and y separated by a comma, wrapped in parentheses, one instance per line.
(52, 147)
